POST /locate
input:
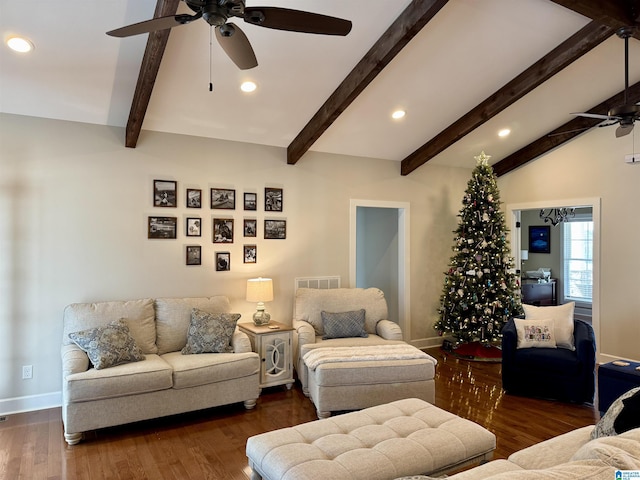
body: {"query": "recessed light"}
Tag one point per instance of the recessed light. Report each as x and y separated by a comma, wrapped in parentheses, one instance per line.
(398, 114)
(248, 87)
(20, 44)
(504, 132)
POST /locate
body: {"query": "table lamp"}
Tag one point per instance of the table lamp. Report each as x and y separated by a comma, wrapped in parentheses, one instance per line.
(260, 290)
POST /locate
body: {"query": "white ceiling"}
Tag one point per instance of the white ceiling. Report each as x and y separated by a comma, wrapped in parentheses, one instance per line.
(467, 52)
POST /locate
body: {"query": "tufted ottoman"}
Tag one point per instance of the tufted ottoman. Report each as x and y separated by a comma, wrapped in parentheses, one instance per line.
(405, 437)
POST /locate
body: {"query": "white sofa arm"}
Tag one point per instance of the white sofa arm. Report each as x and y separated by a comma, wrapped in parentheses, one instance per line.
(240, 342)
(389, 330)
(74, 360)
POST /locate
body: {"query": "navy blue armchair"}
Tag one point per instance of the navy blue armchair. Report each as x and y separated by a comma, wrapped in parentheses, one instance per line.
(552, 373)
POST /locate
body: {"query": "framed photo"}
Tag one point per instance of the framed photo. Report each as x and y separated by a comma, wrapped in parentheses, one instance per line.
(223, 230)
(250, 201)
(223, 261)
(540, 239)
(275, 229)
(165, 193)
(194, 255)
(223, 198)
(250, 253)
(272, 199)
(162, 227)
(250, 227)
(194, 227)
(194, 198)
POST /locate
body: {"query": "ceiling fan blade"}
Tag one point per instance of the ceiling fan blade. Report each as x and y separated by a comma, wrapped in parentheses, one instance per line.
(236, 45)
(594, 115)
(296, 21)
(623, 130)
(160, 23)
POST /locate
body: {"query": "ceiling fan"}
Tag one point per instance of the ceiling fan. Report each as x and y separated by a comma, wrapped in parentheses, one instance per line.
(230, 37)
(624, 115)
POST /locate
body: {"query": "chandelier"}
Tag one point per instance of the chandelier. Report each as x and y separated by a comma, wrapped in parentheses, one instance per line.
(557, 215)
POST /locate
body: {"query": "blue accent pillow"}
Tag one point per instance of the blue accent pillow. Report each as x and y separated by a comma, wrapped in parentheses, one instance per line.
(210, 332)
(109, 345)
(343, 324)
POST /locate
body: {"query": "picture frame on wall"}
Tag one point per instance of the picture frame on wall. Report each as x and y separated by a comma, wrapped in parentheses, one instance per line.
(250, 253)
(194, 198)
(250, 227)
(272, 199)
(223, 230)
(165, 193)
(223, 198)
(539, 239)
(275, 229)
(194, 227)
(162, 227)
(194, 255)
(250, 201)
(223, 261)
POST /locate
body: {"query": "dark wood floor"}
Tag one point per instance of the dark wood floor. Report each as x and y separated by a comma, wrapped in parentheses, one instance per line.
(211, 444)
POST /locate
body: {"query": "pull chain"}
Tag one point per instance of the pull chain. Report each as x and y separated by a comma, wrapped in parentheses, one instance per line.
(210, 58)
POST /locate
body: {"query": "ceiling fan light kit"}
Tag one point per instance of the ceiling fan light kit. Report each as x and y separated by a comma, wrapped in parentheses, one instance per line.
(230, 37)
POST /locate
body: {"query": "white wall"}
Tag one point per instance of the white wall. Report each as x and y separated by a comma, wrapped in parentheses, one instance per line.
(593, 166)
(74, 204)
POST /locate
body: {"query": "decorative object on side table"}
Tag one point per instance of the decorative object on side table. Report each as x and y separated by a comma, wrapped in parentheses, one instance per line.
(260, 290)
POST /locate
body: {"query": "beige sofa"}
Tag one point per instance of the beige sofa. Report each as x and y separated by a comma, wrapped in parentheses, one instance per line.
(166, 382)
(355, 372)
(572, 455)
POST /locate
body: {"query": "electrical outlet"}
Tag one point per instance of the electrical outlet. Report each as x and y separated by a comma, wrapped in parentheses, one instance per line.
(27, 372)
(632, 158)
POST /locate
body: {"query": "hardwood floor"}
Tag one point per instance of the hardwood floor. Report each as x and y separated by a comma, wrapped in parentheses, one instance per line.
(211, 444)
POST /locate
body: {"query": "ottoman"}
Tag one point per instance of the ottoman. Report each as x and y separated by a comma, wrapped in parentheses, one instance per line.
(352, 378)
(614, 380)
(406, 437)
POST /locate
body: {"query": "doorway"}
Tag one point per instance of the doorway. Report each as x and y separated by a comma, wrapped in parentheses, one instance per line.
(514, 216)
(379, 254)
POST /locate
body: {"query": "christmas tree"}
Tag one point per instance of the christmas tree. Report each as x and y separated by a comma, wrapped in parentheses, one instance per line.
(481, 290)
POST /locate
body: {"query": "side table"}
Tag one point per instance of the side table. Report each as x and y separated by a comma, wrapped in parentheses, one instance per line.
(272, 343)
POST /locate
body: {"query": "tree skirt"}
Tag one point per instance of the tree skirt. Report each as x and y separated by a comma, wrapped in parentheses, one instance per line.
(476, 351)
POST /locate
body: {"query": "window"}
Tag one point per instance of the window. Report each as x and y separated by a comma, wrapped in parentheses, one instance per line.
(578, 259)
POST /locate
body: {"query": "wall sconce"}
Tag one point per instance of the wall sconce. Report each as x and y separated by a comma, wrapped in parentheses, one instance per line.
(557, 215)
(524, 255)
(260, 290)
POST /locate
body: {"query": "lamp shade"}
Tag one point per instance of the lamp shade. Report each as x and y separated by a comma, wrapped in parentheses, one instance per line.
(259, 290)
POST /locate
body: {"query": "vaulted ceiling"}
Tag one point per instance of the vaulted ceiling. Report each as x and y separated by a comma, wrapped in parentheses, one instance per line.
(462, 70)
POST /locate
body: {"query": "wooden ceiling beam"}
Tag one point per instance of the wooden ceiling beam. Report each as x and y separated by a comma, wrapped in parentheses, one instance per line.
(403, 29)
(614, 13)
(156, 44)
(566, 53)
(563, 134)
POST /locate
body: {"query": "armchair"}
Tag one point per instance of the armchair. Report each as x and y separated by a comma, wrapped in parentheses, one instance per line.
(555, 373)
(358, 369)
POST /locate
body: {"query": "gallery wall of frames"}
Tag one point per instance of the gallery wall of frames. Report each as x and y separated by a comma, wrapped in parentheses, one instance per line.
(225, 228)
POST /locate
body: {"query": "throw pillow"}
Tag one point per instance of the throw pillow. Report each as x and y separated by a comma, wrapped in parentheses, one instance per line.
(629, 417)
(535, 333)
(562, 316)
(108, 346)
(210, 332)
(605, 427)
(343, 324)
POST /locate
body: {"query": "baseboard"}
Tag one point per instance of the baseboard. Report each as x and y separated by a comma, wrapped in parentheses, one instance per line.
(606, 358)
(30, 403)
(431, 342)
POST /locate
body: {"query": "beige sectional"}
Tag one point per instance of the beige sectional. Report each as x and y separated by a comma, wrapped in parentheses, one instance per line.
(573, 455)
(166, 382)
